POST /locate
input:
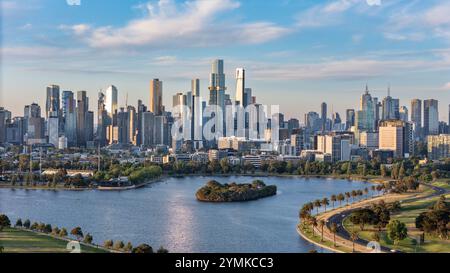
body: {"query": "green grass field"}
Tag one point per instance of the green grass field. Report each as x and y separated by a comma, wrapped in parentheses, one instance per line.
(407, 215)
(22, 241)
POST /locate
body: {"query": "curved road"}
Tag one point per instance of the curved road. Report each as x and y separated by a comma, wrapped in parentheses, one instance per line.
(339, 218)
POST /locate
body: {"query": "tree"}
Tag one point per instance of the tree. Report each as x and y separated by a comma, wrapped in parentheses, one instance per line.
(347, 197)
(77, 232)
(333, 199)
(162, 250)
(317, 204)
(4, 222)
(18, 223)
(47, 228)
(349, 169)
(128, 247)
(313, 222)
(383, 170)
(321, 225)
(340, 198)
(362, 217)
(376, 236)
(142, 249)
(88, 239)
(108, 244)
(334, 229)
(27, 224)
(118, 245)
(63, 233)
(353, 237)
(396, 231)
(325, 202)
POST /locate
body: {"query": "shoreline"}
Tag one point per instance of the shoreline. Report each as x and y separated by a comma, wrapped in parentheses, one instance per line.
(374, 180)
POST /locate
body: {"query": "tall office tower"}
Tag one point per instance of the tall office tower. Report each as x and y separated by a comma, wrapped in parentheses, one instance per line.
(448, 116)
(394, 136)
(5, 117)
(391, 107)
(313, 121)
(217, 94)
(430, 117)
(240, 86)
(111, 100)
(195, 87)
(132, 126)
(248, 98)
(349, 118)
(102, 119)
(140, 111)
(52, 105)
(365, 117)
(179, 99)
(89, 126)
(403, 113)
(217, 84)
(53, 130)
(377, 106)
(323, 111)
(122, 127)
(82, 109)
(416, 117)
(148, 129)
(156, 89)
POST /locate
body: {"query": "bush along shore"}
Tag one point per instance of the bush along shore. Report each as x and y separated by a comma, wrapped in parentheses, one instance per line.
(213, 191)
(85, 239)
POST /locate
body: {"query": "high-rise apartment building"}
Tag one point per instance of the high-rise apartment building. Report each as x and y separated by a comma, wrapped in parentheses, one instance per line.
(52, 105)
(438, 146)
(111, 100)
(240, 86)
(82, 109)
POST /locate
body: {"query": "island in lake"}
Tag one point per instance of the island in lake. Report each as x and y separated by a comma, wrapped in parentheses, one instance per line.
(213, 191)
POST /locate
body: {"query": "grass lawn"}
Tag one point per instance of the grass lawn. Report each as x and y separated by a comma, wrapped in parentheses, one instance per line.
(407, 215)
(22, 241)
(317, 238)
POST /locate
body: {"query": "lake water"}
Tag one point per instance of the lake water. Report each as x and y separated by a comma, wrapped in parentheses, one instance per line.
(167, 213)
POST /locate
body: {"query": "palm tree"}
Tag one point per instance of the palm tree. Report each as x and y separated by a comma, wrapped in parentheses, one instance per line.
(373, 188)
(333, 199)
(317, 204)
(321, 225)
(353, 237)
(347, 197)
(333, 230)
(340, 198)
(354, 194)
(313, 222)
(359, 193)
(366, 191)
(325, 202)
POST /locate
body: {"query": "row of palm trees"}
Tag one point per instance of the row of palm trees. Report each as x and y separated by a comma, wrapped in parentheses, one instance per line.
(308, 219)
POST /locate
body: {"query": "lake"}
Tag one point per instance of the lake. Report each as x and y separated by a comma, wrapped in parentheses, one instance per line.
(167, 213)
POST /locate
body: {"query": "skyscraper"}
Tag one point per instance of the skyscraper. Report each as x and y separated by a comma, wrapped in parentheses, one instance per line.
(416, 116)
(69, 117)
(349, 118)
(323, 111)
(111, 101)
(392, 137)
(102, 120)
(217, 84)
(365, 117)
(52, 104)
(156, 89)
(391, 107)
(82, 109)
(195, 87)
(404, 113)
(240, 86)
(430, 117)
(4, 116)
(140, 112)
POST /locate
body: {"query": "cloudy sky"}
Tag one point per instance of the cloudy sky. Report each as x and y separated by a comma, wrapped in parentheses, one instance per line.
(297, 53)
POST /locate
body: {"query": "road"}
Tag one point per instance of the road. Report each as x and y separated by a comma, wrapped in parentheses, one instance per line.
(338, 218)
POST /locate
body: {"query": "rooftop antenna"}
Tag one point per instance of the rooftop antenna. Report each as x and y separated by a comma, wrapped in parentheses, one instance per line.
(126, 101)
(367, 88)
(389, 90)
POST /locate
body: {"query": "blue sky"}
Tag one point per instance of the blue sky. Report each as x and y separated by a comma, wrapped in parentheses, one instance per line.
(296, 53)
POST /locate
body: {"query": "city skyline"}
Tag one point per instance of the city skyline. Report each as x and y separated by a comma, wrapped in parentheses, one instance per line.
(291, 56)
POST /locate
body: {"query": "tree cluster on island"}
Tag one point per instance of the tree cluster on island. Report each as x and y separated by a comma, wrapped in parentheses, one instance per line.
(213, 191)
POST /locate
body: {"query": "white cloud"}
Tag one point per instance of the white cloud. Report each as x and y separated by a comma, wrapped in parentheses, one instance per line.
(191, 24)
(79, 29)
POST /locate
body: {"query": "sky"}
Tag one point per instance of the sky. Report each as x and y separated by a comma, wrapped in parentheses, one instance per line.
(297, 53)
